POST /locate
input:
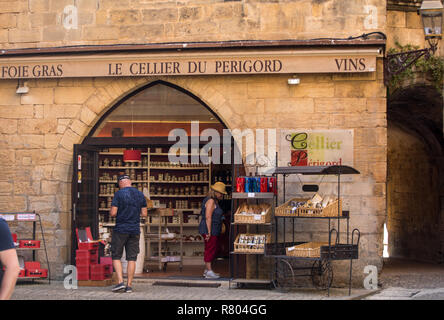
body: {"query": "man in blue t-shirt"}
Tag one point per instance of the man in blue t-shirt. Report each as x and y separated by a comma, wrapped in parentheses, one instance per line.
(9, 260)
(127, 206)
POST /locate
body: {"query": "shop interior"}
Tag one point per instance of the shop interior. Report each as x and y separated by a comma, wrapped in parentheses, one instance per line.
(142, 123)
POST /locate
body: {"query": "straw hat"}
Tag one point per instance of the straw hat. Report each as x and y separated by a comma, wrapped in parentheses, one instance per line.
(219, 187)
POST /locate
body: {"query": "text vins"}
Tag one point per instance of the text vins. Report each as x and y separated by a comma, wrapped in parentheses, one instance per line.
(350, 64)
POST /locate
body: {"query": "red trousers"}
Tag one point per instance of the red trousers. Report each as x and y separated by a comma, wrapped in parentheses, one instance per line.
(211, 248)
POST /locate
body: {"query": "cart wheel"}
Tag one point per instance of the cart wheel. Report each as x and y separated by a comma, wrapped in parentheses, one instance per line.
(284, 276)
(322, 274)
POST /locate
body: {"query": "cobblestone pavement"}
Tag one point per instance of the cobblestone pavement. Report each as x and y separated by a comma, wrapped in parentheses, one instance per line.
(399, 280)
(146, 291)
(410, 280)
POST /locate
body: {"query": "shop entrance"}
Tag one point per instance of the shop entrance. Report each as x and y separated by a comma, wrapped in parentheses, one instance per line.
(415, 219)
(144, 121)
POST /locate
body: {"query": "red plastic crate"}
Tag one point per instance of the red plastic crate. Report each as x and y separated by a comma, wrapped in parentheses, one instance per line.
(99, 276)
(82, 275)
(108, 262)
(32, 265)
(108, 269)
(22, 273)
(96, 268)
(83, 269)
(88, 245)
(100, 272)
(86, 262)
(35, 244)
(87, 254)
(37, 273)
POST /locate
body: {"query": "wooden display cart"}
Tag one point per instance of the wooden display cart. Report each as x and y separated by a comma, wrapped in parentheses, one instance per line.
(321, 254)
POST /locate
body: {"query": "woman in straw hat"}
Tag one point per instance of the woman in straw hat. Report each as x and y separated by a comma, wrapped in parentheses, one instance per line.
(210, 226)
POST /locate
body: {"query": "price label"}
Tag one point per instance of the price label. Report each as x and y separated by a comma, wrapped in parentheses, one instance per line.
(26, 216)
(291, 249)
(251, 194)
(257, 217)
(7, 217)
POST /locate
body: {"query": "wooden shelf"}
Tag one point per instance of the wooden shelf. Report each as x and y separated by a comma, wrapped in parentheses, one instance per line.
(28, 249)
(120, 168)
(178, 168)
(176, 196)
(157, 181)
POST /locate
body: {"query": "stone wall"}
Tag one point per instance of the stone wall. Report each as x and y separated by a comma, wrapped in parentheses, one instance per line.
(405, 27)
(413, 193)
(40, 128)
(45, 23)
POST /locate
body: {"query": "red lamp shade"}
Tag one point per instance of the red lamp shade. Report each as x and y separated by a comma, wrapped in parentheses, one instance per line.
(132, 156)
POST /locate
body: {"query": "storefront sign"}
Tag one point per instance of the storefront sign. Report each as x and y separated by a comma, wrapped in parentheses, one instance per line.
(317, 147)
(215, 63)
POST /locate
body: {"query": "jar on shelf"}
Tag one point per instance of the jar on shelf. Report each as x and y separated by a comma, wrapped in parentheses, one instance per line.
(113, 163)
(139, 177)
(103, 204)
(176, 190)
(106, 162)
(119, 163)
(145, 162)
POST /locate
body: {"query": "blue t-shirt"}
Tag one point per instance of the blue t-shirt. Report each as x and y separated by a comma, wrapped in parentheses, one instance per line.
(6, 242)
(129, 202)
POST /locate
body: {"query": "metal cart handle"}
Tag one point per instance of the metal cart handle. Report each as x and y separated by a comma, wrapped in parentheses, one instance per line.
(330, 234)
(353, 235)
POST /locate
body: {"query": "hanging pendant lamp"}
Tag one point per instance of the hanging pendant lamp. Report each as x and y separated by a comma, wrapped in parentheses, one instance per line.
(132, 155)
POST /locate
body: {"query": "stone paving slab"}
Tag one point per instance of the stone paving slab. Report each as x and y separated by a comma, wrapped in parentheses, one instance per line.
(146, 291)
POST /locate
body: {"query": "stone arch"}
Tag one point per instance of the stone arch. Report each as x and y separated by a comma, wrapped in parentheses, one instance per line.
(106, 93)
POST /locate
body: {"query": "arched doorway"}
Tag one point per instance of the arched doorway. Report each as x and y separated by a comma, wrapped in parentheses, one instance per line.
(415, 219)
(144, 120)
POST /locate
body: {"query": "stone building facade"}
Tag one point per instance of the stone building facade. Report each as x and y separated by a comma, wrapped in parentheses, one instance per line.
(415, 216)
(38, 129)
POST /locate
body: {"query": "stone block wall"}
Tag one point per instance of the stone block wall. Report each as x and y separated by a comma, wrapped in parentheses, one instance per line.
(41, 127)
(413, 208)
(48, 23)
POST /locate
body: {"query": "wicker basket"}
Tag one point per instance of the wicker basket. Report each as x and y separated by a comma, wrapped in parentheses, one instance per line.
(252, 218)
(248, 248)
(331, 210)
(306, 250)
(284, 210)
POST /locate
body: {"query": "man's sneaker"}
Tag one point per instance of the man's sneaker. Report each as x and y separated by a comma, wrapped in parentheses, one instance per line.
(128, 290)
(119, 287)
(211, 275)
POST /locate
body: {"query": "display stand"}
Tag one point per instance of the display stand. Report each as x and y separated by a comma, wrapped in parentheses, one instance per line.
(34, 218)
(158, 236)
(234, 232)
(321, 271)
